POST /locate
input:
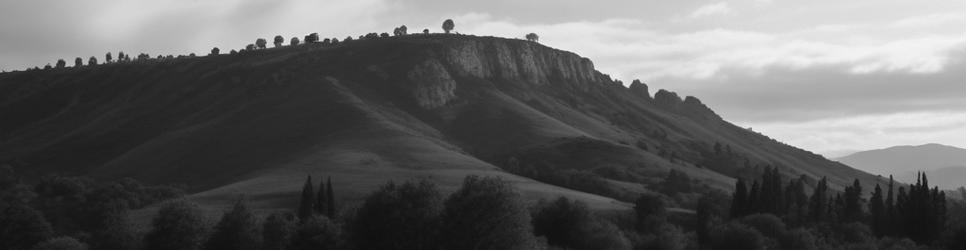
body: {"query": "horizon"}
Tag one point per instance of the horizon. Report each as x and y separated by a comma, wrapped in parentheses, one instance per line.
(827, 85)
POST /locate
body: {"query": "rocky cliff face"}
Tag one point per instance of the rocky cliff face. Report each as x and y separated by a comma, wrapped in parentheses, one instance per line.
(690, 106)
(497, 59)
(640, 89)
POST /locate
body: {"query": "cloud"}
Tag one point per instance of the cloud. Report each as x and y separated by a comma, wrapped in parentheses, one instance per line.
(721, 8)
(930, 20)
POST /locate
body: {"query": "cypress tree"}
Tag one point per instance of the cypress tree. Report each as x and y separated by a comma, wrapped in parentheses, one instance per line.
(754, 199)
(331, 199)
(321, 200)
(890, 210)
(739, 200)
(852, 203)
(305, 204)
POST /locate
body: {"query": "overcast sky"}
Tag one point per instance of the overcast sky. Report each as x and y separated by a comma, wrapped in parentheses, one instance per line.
(824, 75)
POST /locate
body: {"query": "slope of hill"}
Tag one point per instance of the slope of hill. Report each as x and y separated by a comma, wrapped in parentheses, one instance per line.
(945, 165)
(368, 111)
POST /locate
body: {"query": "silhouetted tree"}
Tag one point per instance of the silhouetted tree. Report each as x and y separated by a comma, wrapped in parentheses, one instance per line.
(115, 232)
(533, 37)
(739, 201)
(250, 47)
(329, 199)
(108, 58)
(178, 225)
(294, 41)
(215, 51)
(48, 67)
(403, 216)
(277, 231)
(400, 31)
(61, 63)
(279, 40)
(308, 200)
(78, 62)
(448, 25)
(312, 38)
(261, 43)
(877, 210)
(486, 213)
(709, 213)
(852, 210)
(425, 31)
(321, 202)
(120, 56)
(818, 202)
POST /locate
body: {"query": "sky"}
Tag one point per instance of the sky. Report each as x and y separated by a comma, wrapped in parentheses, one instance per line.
(829, 76)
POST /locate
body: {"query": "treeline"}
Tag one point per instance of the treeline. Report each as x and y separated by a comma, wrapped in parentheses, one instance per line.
(260, 43)
(914, 212)
(484, 213)
(58, 211)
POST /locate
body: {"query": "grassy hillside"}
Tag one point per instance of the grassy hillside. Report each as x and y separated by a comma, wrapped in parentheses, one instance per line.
(369, 111)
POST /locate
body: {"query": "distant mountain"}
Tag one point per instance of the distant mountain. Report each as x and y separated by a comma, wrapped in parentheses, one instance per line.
(372, 110)
(944, 165)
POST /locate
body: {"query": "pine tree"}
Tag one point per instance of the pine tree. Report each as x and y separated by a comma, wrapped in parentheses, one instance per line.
(330, 199)
(321, 201)
(877, 209)
(817, 207)
(305, 204)
(890, 211)
(753, 204)
(852, 203)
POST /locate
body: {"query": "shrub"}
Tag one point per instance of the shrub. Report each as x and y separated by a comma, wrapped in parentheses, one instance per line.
(486, 213)
(651, 212)
(238, 229)
(317, 232)
(736, 236)
(178, 225)
(61, 243)
(398, 217)
(21, 226)
(277, 231)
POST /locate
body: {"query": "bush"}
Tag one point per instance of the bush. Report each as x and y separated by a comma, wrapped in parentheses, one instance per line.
(61, 243)
(799, 239)
(237, 229)
(21, 226)
(486, 213)
(736, 236)
(651, 212)
(398, 217)
(277, 231)
(178, 225)
(317, 232)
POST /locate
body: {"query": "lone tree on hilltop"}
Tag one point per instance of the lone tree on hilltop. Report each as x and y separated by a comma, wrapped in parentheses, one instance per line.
(425, 31)
(108, 58)
(294, 41)
(401, 31)
(261, 43)
(61, 63)
(215, 51)
(92, 61)
(448, 25)
(278, 41)
(78, 62)
(533, 37)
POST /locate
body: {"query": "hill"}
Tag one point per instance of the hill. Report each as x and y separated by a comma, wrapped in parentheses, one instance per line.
(945, 165)
(368, 111)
